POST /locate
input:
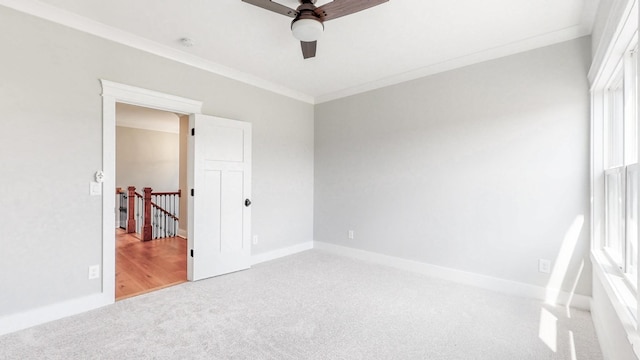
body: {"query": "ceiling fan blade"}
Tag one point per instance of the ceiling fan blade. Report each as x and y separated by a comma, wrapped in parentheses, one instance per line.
(309, 49)
(338, 8)
(273, 6)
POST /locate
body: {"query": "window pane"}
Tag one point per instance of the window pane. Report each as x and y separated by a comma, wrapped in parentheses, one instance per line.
(614, 122)
(615, 215)
(632, 222)
(631, 101)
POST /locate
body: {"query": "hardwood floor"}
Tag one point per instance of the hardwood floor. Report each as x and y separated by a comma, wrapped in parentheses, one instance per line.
(144, 266)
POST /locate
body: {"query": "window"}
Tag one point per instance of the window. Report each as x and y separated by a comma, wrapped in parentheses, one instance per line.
(630, 156)
(615, 177)
(614, 171)
(621, 166)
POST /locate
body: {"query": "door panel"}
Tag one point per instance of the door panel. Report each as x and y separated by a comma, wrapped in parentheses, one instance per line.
(211, 198)
(226, 144)
(233, 203)
(219, 171)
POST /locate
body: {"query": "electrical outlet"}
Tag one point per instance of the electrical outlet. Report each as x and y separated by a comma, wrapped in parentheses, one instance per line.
(94, 272)
(255, 239)
(544, 266)
(351, 234)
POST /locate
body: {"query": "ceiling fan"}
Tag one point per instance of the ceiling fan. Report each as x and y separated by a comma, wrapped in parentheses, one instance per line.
(307, 24)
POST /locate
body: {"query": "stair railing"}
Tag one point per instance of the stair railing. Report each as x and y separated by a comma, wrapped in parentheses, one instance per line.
(121, 203)
(165, 208)
(152, 215)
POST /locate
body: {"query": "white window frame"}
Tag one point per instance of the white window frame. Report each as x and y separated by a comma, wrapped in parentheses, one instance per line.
(621, 81)
(615, 252)
(615, 275)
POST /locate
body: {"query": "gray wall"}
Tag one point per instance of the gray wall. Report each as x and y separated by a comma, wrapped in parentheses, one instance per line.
(147, 158)
(483, 169)
(51, 146)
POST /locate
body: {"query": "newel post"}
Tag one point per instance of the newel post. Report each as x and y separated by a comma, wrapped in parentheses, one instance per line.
(131, 209)
(146, 229)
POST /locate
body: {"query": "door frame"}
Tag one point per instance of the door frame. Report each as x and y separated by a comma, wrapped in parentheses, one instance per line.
(113, 93)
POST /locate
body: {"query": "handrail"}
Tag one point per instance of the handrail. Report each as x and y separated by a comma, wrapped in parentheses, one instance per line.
(179, 192)
(164, 211)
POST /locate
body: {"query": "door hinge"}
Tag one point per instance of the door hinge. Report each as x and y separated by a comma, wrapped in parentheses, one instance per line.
(191, 252)
(193, 131)
(192, 192)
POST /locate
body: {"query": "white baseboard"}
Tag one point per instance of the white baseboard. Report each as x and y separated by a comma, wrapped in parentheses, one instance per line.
(27, 319)
(275, 254)
(182, 233)
(19, 321)
(463, 277)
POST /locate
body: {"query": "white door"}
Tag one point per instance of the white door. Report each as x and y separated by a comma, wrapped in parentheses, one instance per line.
(219, 172)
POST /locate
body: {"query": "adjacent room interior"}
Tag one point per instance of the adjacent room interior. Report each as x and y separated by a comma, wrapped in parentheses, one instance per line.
(151, 251)
(319, 179)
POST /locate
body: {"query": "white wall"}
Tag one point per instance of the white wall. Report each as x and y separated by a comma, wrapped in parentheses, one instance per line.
(51, 146)
(482, 169)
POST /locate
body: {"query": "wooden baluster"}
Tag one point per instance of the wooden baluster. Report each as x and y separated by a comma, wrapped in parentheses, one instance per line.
(147, 230)
(131, 210)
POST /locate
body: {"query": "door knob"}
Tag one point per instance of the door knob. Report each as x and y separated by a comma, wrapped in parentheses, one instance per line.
(247, 202)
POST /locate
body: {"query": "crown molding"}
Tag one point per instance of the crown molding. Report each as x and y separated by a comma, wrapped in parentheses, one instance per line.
(72, 20)
(551, 38)
(77, 22)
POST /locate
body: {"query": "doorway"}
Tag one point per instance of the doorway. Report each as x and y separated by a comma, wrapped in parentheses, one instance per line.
(218, 170)
(113, 93)
(151, 154)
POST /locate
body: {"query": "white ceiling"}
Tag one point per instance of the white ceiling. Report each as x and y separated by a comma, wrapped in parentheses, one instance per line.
(148, 119)
(393, 42)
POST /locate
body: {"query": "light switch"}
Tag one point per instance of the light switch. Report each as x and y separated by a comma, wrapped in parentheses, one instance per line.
(95, 188)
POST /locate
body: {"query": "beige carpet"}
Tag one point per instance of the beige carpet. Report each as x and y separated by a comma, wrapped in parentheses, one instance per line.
(314, 305)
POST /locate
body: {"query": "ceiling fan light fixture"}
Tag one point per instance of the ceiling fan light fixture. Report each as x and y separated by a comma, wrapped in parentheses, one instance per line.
(308, 19)
(307, 30)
